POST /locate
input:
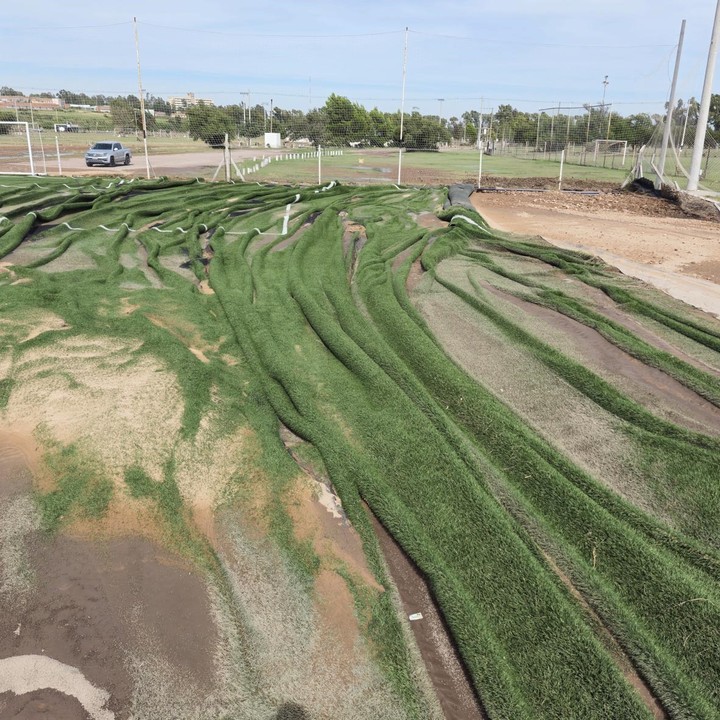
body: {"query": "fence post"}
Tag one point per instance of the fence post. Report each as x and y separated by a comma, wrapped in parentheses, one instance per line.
(319, 165)
(29, 144)
(480, 164)
(42, 154)
(562, 162)
(57, 149)
(226, 156)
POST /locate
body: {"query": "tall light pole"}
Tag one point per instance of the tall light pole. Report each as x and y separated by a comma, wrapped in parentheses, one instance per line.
(402, 106)
(605, 83)
(142, 100)
(441, 101)
(704, 111)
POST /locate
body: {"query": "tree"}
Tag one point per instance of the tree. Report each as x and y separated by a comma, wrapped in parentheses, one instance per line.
(123, 114)
(317, 130)
(714, 117)
(126, 115)
(5, 90)
(346, 121)
(158, 104)
(636, 129)
(471, 133)
(456, 128)
(6, 117)
(524, 127)
(503, 118)
(210, 124)
(176, 124)
(423, 132)
(291, 124)
(382, 127)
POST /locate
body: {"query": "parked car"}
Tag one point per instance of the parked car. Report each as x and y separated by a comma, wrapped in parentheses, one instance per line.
(108, 153)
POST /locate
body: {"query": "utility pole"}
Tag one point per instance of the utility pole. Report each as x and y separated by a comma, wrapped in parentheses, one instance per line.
(480, 143)
(142, 99)
(402, 106)
(671, 106)
(271, 114)
(441, 101)
(704, 112)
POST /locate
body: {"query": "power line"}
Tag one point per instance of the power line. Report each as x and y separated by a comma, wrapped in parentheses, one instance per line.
(485, 41)
(71, 27)
(270, 35)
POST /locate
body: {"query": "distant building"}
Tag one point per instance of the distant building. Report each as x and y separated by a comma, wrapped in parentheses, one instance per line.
(182, 103)
(22, 102)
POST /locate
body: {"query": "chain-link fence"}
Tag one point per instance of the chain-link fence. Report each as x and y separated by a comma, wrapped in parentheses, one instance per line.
(409, 137)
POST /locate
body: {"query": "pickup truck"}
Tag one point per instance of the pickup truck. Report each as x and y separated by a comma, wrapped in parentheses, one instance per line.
(108, 153)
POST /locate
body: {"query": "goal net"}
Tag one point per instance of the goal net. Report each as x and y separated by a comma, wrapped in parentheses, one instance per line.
(606, 148)
(16, 156)
(672, 166)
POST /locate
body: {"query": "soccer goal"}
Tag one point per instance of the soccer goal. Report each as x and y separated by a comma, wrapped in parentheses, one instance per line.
(16, 156)
(610, 147)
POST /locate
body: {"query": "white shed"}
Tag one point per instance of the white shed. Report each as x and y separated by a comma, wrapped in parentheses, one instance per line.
(273, 141)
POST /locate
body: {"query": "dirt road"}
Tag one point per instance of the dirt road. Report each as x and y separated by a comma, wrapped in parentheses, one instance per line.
(176, 164)
(646, 237)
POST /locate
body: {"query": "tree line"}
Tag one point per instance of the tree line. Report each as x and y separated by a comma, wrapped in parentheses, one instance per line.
(342, 122)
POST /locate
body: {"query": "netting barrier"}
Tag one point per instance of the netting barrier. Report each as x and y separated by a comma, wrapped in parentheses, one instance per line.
(678, 155)
(283, 132)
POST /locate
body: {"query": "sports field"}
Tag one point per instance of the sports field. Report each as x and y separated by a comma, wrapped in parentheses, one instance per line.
(180, 156)
(341, 451)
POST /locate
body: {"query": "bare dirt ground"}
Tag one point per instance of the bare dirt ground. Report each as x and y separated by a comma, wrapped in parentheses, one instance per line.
(87, 604)
(650, 238)
(447, 674)
(112, 601)
(191, 164)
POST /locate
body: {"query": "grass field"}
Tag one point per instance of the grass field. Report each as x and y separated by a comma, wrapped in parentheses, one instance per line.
(426, 168)
(567, 526)
(369, 165)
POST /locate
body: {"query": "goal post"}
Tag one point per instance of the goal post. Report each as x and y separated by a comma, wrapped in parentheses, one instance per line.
(610, 147)
(16, 156)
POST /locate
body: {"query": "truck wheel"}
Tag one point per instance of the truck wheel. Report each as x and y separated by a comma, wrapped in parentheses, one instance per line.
(112, 161)
(89, 164)
(127, 159)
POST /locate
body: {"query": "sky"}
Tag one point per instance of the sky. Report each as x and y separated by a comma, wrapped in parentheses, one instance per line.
(461, 54)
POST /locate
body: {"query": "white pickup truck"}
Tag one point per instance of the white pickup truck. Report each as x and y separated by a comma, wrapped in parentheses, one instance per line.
(108, 153)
